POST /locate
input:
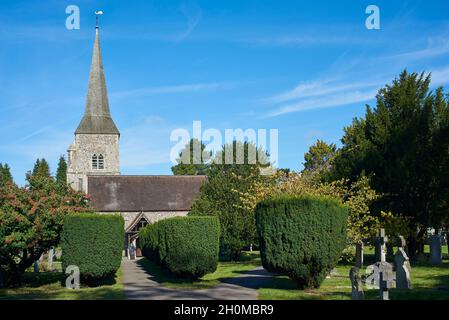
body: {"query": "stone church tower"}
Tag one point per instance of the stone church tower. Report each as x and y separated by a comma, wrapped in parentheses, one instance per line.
(95, 150)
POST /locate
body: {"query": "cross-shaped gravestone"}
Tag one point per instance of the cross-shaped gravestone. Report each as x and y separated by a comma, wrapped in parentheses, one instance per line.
(386, 278)
(381, 250)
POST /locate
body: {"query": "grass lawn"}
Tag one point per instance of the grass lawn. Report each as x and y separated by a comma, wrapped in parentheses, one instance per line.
(51, 285)
(428, 283)
(225, 269)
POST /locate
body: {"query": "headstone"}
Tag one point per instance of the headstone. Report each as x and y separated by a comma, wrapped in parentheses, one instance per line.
(51, 253)
(403, 268)
(356, 284)
(436, 254)
(386, 279)
(380, 246)
(359, 255)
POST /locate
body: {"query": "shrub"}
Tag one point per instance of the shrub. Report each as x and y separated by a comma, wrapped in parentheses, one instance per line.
(94, 243)
(301, 237)
(186, 246)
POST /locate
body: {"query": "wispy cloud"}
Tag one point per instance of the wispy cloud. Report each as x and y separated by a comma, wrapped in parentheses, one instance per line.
(440, 76)
(326, 101)
(320, 88)
(193, 15)
(182, 88)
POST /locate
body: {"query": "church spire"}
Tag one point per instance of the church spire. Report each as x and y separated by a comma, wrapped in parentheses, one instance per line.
(97, 118)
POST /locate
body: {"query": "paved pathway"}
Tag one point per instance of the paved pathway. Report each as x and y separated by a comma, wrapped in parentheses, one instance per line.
(140, 285)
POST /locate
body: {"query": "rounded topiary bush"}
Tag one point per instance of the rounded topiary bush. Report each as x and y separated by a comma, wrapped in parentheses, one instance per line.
(301, 237)
(186, 246)
(94, 243)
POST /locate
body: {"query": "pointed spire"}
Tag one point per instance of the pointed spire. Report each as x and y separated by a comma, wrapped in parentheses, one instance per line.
(97, 118)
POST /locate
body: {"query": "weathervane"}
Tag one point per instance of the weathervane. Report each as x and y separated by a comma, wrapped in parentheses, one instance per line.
(97, 13)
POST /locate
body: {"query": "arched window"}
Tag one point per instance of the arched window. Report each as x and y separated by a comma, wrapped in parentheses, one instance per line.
(94, 162)
(100, 162)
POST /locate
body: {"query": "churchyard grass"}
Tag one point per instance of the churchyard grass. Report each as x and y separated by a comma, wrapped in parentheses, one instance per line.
(428, 283)
(225, 269)
(51, 286)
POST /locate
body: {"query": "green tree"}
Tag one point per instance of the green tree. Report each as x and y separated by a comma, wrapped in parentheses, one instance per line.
(61, 172)
(221, 195)
(5, 174)
(31, 220)
(403, 144)
(318, 156)
(41, 168)
(193, 159)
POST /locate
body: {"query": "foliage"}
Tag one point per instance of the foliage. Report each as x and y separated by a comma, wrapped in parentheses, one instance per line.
(31, 220)
(403, 145)
(193, 159)
(220, 196)
(93, 243)
(61, 172)
(318, 158)
(301, 237)
(186, 246)
(41, 168)
(357, 196)
(5, 174)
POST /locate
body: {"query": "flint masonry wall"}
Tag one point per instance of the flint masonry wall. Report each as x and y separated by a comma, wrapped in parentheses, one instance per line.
(80, 158)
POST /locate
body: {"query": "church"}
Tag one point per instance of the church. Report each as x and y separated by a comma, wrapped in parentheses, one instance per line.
(94, 167)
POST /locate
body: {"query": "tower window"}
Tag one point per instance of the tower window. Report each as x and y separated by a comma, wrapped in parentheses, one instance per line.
(100, 162)
(94, 162)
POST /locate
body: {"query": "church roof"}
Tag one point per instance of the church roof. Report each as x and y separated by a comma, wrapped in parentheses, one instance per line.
(143, 193)
(97, 118)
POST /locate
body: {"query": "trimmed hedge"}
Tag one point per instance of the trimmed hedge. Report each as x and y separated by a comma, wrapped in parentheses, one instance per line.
(186, 246)
(94, 243)
(301, 237)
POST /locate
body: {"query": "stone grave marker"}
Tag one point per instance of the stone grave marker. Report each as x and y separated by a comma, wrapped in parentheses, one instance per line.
(403, 268)
(356, 284)
(436, 254)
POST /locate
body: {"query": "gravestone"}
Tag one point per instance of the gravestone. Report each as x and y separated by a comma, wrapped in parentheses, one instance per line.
(380, 246)
(359, 255)
(436, 254)
(386, 279)
(51, 253)
(403, 268)
(356, 284)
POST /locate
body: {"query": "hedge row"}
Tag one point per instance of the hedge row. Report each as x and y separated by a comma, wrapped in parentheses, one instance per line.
(301, 237)
(94, 243)
(186, 246)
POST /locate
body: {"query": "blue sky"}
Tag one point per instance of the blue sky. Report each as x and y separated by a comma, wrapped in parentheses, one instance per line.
(305, 68)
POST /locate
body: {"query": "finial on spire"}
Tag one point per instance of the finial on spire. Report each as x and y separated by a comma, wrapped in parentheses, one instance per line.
(97, 13)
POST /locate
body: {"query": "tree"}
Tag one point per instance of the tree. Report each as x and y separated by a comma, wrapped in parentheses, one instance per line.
(403, 144)
(358, 196)
(31, 220)
(220, 195)
(193, 159)
(5, 174)
(61, 172)
(41, 168)
(318, 156)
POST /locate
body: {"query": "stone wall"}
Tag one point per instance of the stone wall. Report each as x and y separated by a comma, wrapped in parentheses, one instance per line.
(80, 158)
(152, 217)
